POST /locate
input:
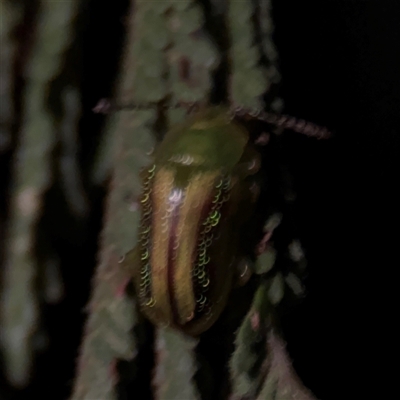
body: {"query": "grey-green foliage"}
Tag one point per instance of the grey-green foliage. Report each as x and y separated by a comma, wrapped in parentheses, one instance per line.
(249, 346)
(129, 139)
(175, 366)
(11, 15)
(260, 366)
(186, 18)
(140, 80)
(281, 381)
(249, 81)
(32, 176)
(69, 167)
(266, 25)
(265, 262)
(108, 335)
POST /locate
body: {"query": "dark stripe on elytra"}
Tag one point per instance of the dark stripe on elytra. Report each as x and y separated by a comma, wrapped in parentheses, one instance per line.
(175, 217)
(211, 268)
(171, 254)
(204, 214)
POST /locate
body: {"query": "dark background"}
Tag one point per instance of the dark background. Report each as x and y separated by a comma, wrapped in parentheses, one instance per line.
(340, 68)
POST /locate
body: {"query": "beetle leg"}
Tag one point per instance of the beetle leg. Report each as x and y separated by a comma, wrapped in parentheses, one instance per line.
(263, 139)
(262, 245)
(272, 223)
(249, 164)
(129, 265)
(243, 271)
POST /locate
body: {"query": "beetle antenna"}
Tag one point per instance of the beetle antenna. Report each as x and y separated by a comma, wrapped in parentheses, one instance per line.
(297, 125)
(105, 106)
(286, 122)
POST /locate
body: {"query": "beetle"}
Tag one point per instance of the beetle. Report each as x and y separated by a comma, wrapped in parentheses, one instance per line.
(196, 197)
